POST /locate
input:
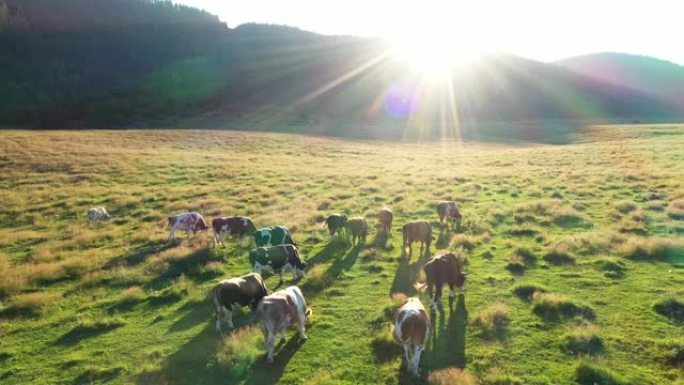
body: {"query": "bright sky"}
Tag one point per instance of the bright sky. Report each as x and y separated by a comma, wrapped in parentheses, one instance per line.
(538, 29)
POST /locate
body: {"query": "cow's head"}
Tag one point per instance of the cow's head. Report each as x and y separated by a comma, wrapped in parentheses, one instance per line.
(298, 266)
(201, 225)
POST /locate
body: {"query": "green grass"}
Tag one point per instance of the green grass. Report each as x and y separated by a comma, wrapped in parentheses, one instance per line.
(114, 303)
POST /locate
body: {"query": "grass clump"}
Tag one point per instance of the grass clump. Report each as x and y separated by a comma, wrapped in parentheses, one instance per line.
(612, 268)
(515, 267)
(674, 352)
(676, 209)
(558, 257)
(670, 307)
(493, 321)
(583, 340)
(651, 249)
(452, 376)
(524, 230)
(31, 305)
(527, 290)
(555, 307)
(239, 350)
(497, 378)
(588, 373)
(624, 207)
(525, 255)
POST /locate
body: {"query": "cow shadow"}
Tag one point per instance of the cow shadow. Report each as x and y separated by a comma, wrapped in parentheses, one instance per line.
(447, 344)
(189, 266)
(263, 373)
(443, 238)
(196, 312)
(332, 250)
(381, 238)
(139, 254)
(407, 275)
(345, 263)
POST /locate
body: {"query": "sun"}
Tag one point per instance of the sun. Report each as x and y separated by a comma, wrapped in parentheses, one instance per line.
(435, 56)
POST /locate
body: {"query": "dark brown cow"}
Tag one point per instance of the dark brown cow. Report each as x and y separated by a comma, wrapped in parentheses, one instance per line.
(385, 217)
(417, 231)
(230, 294)
(448, 212)
(233, 227)
(411, 329)
(440, 270)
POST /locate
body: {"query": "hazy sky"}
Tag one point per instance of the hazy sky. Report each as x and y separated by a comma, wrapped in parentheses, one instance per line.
(538, 29)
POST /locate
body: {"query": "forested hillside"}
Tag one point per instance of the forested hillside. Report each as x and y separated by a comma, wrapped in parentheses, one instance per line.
(136, 63)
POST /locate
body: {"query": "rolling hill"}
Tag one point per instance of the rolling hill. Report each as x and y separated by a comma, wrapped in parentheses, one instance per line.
(83, 64)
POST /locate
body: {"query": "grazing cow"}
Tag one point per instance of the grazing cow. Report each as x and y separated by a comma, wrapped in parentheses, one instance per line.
(233, 226)
(417, 231)
(411, 330)
(440, 270)
(98, 214)
(230, 294)
(277, 258)
(357, 229)
(448, 212)
(272, 236)
(335, 223)
(276, 312)
(385, 217)
(186, 222)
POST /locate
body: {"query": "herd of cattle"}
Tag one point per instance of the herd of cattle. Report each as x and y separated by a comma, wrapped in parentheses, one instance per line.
(276, 251)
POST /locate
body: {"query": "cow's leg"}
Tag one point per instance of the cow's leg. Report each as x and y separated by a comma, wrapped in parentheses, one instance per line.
(410, 247)
(463, 288)
(406, 356)
(452, 292)
(270, 343)
(416, 359)
(172, 234)
(282, 274)
(229, 315)
(218, 319)
(283, 337)
(438, 293)
(222, 237)
(430, 291)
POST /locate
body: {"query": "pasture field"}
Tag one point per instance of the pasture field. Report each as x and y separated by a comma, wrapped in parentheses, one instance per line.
(576, 257)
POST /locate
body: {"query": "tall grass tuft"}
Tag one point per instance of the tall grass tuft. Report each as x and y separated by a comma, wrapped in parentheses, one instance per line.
(555, 307)
(240, 350)
(526, 290)
(588, 373)
(452, 376)
(493, 321)
(670, 307)
(29, 305)
(583, 340)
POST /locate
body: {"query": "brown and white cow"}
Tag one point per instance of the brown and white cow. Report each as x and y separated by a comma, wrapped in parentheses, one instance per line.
(448, 212)
(233, 293)
(276, 312)
(186, 222)
(417, 231)
(385, 217)
(440, 270)
(98, 214)
(233, 227)
(411, 330)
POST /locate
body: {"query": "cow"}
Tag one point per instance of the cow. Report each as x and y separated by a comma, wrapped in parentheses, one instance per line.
(357, 229)
(448, 212)
(186, 222)
(98, 214)
(411, 330)
(277, 258)
(385, 217)
(276, 312)
(417, 231)
(440, 270)
(233, 293)
(233, 226)
(272, 236)
(335, 223)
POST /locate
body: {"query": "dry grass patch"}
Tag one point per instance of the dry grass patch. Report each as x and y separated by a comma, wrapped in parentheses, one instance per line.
(651, 249)
(239, 350)
(676, 209)
(493, 321)
(590, 243)
(452, 376)
(555, 307)
(29, 305)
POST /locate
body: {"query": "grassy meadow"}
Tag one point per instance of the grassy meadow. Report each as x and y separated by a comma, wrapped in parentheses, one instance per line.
(576, 257)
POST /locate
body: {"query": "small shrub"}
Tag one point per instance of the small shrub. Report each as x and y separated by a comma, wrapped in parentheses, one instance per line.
(29, 305)
(583, 340)
(515, 267)
(554, 307)
(590, 374)
(557, 257)
(525, 255)
(671, 308)
(493, 321)
(526, 290)
(239, 350)
(452, 376)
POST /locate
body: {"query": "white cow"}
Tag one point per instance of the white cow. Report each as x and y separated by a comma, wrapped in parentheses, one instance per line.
(276, 312)
(98, 214)
(411, 330)
(186, 222)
